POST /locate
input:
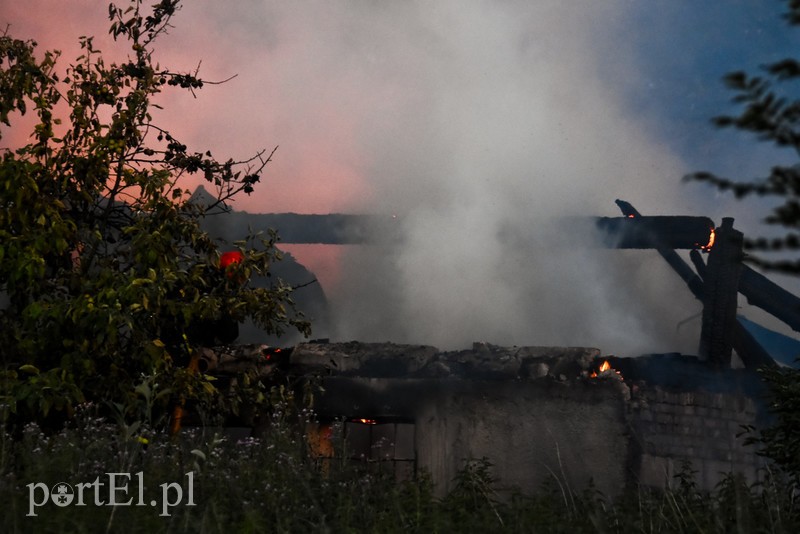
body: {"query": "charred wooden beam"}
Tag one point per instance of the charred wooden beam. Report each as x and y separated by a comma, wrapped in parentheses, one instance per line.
(746, 346)
(699, 264)
(670, 232)
(721, 288)
(670, 256)
(770, 297)
(749, 350)
(297, 228)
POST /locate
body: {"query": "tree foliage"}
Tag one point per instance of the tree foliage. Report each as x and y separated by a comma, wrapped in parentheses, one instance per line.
(106, 275)
(773, 116)
(781, 441)
(769, 111)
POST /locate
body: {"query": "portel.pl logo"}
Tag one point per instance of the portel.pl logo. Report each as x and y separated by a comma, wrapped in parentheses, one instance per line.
(113, 492)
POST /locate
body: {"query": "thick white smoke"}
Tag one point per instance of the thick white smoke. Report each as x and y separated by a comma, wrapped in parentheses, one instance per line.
(498, 122)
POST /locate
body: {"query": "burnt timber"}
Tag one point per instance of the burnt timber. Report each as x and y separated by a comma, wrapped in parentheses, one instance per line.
(717, 284)
(671, 232)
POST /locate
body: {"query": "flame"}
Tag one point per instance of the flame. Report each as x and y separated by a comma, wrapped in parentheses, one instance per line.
(604, 367)
(631, 216)
(366, 421)
(711, 238)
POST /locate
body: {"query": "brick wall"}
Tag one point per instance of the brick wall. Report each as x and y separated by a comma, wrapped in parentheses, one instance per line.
(704, 428)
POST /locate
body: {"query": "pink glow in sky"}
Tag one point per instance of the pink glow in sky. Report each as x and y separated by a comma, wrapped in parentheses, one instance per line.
(316, 168)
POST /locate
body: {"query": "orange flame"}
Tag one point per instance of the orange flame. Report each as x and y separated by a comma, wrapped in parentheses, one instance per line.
(605, 366)
(711, 238)
(366, 421)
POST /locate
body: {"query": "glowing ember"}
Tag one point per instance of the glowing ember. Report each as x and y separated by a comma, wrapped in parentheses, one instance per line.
(366, 421)
(711, 239)
(270, 354)
(229, 258)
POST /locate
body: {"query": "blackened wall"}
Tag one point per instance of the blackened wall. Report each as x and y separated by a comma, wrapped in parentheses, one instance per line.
(537, 413)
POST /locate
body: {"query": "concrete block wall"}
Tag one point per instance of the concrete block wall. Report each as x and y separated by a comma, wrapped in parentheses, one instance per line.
(530, 431)
(537, 412)
(703, 428)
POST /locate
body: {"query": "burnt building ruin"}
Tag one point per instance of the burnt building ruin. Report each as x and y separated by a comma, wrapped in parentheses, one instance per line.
(537, 413)
(564, 413)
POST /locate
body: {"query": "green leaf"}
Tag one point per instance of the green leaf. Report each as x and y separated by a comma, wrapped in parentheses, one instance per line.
(29, 369)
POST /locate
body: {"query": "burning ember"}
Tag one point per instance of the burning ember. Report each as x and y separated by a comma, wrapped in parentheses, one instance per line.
(711, 239)
(365, 421)
(271, 354)
(605, 370)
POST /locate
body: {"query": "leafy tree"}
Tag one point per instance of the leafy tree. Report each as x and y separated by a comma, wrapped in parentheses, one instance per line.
(107, 278)
(773, 117)
(781, 441)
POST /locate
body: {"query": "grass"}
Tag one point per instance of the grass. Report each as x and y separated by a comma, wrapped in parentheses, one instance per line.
(271, 485)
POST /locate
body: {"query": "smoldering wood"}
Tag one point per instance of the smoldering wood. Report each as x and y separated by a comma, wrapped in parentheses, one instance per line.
(640, 232)
(721, 289)
(749, 350)
(672, 258)
(732, 334)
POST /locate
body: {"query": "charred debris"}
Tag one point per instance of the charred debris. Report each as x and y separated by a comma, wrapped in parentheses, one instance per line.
(539, 412)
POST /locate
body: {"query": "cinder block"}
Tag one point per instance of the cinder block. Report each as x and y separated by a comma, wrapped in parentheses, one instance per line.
(689, 420)
(701, 398)
(665, 418)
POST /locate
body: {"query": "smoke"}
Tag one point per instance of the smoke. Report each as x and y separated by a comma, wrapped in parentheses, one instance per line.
(494, 124)
(483, 125)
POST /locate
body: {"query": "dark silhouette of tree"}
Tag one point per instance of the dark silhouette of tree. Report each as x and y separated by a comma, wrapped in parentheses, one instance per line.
(772, 114)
